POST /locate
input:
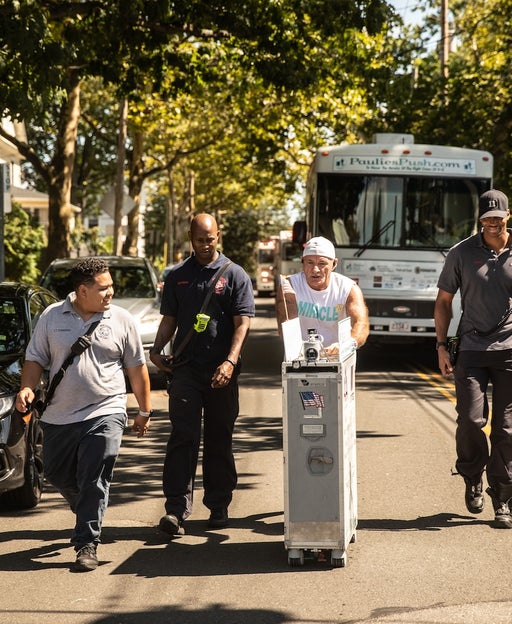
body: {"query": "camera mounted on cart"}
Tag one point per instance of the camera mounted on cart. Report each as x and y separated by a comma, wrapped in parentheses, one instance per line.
(313, 347)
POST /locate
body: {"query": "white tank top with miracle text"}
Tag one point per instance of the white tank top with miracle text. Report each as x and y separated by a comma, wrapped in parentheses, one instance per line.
(321, 309)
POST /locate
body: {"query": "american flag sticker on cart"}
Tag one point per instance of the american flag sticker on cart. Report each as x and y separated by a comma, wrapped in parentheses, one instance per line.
(312, 399)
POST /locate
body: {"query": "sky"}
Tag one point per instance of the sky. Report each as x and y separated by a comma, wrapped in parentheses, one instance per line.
(405, 9)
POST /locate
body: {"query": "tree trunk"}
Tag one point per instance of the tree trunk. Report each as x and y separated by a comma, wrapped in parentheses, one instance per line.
(131, 242)
(61, 175)
(119, 183)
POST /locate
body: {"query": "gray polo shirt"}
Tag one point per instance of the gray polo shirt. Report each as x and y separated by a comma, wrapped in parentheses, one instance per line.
(94, 384)
(484, 279)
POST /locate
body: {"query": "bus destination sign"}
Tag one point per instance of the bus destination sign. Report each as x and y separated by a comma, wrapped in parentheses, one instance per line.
(388, 163)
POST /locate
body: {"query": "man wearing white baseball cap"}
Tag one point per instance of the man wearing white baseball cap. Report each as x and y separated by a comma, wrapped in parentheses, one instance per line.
(320, 297)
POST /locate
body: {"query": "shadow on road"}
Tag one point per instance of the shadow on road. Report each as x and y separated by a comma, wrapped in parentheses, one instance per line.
(435, 522)
(218, 614)
(141, 479)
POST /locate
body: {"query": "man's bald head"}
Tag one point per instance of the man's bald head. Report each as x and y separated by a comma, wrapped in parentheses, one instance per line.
(204, 236)
(204, 221)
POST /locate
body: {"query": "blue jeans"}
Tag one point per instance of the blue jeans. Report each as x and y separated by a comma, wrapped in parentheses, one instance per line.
(78, 460)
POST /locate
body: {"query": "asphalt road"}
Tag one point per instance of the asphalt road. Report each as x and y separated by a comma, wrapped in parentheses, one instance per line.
(419, 556)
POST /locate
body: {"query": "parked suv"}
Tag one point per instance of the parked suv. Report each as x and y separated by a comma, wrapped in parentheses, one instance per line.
(135, 289)
(21, 465)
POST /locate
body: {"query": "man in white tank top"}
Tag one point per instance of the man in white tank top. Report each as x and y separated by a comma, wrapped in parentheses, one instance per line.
(320, 297)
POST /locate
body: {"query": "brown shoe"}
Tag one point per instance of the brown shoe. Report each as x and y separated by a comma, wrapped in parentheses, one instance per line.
(86, 559)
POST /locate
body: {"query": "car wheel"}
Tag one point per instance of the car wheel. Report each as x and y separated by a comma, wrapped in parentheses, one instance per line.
(29, 494)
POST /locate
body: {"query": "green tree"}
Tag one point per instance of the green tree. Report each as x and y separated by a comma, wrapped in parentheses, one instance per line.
(24, 240)
(479, 92)
(47, 48)
(471, 104)
(238, 140)
(240, 231)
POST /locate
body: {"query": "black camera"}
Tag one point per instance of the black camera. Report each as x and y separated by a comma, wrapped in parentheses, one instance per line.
(312, 347)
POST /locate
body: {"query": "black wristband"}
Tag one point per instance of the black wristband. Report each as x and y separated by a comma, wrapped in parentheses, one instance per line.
(441, 344)
(231, 362)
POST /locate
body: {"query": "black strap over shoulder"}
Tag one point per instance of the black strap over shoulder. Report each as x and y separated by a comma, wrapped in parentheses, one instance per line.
(77, 348)
(206, 301)
(498, 326)
(489, 332)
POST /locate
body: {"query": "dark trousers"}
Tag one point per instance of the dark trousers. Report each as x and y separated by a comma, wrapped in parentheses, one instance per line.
(474, 372)
(79, 461)
(192, 403)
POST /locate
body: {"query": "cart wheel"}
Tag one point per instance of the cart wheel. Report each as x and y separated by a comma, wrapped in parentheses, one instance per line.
(295, 557)
(338, 559)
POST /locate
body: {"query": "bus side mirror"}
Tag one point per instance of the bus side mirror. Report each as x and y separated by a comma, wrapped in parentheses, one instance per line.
(299, 232)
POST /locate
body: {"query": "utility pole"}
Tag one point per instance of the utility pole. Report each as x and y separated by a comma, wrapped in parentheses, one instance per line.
(445, 39)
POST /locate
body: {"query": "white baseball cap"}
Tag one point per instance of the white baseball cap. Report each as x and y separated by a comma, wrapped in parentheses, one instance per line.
(319, 246)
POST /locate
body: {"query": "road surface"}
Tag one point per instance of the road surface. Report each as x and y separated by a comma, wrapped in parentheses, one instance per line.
(419, 557)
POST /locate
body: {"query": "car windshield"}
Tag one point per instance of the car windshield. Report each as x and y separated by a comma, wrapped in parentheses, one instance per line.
(13, 333)
(129, 282)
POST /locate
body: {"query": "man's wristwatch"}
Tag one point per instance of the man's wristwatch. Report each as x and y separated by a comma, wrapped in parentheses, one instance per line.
(441, 344)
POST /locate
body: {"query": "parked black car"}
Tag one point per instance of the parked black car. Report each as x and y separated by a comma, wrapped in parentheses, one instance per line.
(21, 465)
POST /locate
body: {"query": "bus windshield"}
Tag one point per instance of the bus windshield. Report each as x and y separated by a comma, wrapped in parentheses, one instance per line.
(398, 212)
(266, 256)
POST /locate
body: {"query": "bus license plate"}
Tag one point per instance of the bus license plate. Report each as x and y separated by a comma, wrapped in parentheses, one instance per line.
(399, 326)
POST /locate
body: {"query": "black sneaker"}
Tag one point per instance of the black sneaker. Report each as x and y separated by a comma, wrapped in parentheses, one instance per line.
(86, 559)
(502, 514)
(474, 496)
(218, 518)
(171, 525)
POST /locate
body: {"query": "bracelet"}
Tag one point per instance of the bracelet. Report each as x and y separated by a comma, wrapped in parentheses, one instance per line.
(231, 362)
(146, 414)
(441, 344)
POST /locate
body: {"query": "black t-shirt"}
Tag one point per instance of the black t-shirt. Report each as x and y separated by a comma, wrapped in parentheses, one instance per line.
(485, 283)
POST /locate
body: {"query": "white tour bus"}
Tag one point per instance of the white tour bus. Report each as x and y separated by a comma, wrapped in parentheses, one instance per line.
(393, 209)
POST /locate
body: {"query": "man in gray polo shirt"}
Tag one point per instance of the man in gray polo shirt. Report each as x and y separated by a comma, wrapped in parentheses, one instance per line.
(481, 268)
(84, 421)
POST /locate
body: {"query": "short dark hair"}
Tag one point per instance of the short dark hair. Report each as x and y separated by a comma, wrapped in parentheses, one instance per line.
(85, 271)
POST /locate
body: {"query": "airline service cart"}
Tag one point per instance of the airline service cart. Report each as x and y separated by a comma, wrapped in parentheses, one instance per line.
(319, 444)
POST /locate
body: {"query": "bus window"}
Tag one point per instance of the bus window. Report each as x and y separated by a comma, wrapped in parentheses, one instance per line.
(355, 209)
(265, 256)
(396, 212)
(439, 212)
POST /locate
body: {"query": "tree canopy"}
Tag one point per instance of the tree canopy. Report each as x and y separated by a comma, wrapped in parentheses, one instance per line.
(279, 52)
(227, 100)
